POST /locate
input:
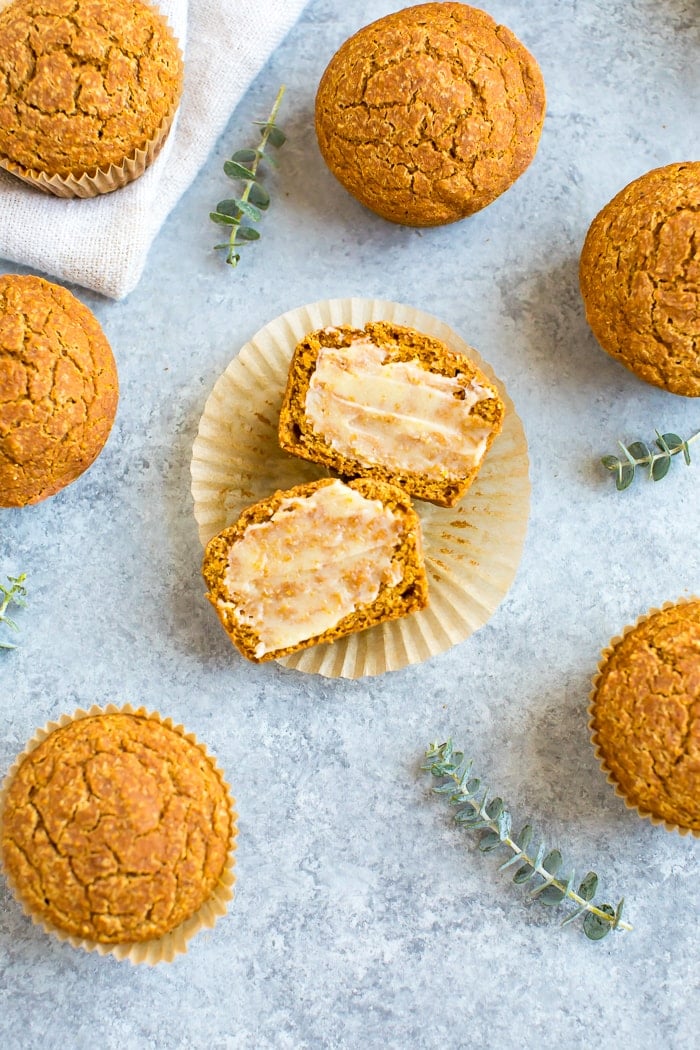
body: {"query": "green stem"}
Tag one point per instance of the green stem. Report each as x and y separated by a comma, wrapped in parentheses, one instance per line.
(231, 254)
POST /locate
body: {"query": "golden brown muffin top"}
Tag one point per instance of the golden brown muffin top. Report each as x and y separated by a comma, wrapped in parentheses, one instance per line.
(428, 114)
(640, 277)
(83, 83)
(58, 389)
(646, 714)
(116, 828)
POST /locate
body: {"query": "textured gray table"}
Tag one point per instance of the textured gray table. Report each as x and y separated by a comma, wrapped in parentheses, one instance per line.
(364, 917)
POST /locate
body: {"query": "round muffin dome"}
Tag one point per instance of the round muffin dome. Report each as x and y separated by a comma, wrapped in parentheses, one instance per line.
(429, 114)
(84, 85)
(116, 828)
(645, 715)
(640, 277)
(58, 389)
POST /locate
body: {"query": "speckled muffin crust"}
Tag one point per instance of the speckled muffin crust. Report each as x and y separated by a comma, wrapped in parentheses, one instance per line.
(58, 389)
(407, 594)
(640, 277)
(299, 434)
(116, 828)
(83, 83)
(645, 715)
(427, 115)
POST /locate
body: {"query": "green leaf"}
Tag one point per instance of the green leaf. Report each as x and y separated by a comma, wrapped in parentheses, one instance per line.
(588, 887)
(670, 442)
(659, 468)
(551, 895)
(259, 196)
(494, 808)
(625, 478)
(611, 462)
(247, 233)
(489, 841)
(249, 210)
(228, 207)
(523, 874)
(638, 450)
(504, 824)
(245, 156)
(234, 170)
(525, 837)
(223, 220)
(595, 927)
(552, 862)
(277, 137)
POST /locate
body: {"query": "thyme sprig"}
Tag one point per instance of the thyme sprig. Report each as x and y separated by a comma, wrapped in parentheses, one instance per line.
(12, 595)
(477, 812)
(254, 198)
(639, 454)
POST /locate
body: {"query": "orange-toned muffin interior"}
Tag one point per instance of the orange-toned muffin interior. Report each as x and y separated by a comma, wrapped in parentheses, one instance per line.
(646, 715)
(58, 389)
(83, 83)
(116, 828)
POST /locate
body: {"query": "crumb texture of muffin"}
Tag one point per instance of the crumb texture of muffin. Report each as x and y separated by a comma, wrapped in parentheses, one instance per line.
(428, 114)
(640, 277)
(645, 715)
(58, 389)
(315, 563)
(390, 403)
(83, 83)
(116, 828)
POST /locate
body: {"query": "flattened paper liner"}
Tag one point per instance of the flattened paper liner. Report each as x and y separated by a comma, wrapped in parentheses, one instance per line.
(609, 776)
(167, 947)
(97, 181)
(472, 551)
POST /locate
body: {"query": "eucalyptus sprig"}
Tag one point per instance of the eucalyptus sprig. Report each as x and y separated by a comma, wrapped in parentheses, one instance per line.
(254, 198)
(12, 595)
(475, 811)
(639, 454)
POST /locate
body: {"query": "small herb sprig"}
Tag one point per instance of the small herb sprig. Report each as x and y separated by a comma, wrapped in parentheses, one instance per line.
(639, 454)
(254, 198)
(475, 811)
(12, 595)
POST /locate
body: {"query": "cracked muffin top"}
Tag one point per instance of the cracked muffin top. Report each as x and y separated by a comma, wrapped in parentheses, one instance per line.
(58, 389)
(116, 828)
(83, 83)
(640, 277)
(646, 715)
(429, 114)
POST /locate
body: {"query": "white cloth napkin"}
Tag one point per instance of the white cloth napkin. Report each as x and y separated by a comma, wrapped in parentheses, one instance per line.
(102, 243)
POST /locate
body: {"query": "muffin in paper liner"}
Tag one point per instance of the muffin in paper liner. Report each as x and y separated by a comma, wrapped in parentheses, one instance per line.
(96, 181)
(472, 551)
(612, 753)
(167, 946)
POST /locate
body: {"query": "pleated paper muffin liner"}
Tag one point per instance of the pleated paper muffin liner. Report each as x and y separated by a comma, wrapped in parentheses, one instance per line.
(605, 655)
(472, 550)
(97, 181)
(175, 942)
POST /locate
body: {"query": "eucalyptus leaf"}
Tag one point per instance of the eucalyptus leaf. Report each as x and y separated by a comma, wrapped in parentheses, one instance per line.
(494, 808)
(223, 220)
(249, 210)
(523, 874)
(551, 895)
(638, 450)
(588, 886)
(245, 156)
(489, 841)
(259, 196)
(639, 454)
(659, 468)
(235, 170)
(625, 479)
(228, 207)
(552, 862)
(595, 927)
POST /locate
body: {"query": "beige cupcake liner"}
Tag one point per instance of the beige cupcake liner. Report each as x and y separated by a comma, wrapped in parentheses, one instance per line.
(609, 776)
(162, 949)
(472, 551)
(102, 180)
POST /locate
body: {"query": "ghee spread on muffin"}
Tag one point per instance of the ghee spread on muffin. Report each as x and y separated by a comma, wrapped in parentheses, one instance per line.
(640, 277)
(116, 828)
(58, 389)
(84, 84)
(645, 715)
(389, 402)
(428, 114)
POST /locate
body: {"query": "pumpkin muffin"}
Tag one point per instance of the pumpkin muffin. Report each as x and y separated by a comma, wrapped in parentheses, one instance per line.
(116, 829)
(427, 115)
(88, 91)
(640, 277)
(645, 715)
(389, 402)
(315, 563)
(58, 389)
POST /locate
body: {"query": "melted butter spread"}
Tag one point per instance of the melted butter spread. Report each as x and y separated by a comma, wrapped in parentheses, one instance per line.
(396, 415)
(315, 560)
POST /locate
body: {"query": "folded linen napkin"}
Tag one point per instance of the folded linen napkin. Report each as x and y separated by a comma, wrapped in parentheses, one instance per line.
(102, 243)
